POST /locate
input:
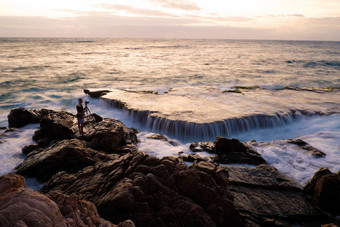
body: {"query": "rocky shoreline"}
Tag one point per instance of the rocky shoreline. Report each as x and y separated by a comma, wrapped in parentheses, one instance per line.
(101, 178)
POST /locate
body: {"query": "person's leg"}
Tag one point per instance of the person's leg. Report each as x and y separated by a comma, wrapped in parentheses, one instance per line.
(81, 127)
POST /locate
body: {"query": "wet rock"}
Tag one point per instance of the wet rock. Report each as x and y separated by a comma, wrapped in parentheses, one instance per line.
(96, 94)
(153, 192)
(55, 125)
(3, 128)
(303, 145)
(203, 146)
(110, 135)
(67, 155)
(158, 137)
(29, 148)
(20, 117)
(234, 151)
(193, 157)
(20, 206)
(266, 197)
(325, 188)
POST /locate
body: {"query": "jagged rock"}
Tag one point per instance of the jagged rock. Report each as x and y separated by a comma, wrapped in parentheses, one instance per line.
(325, 189)
(20, 117)
(266, 197)
(79, 212)
(20, 206)
(203, 146)
(96, 94)
(302, 144)
(153, 192)
(234, 151)
(110, 135)
(29, 148)
(158, 137)
(55, 125)
(67, 155)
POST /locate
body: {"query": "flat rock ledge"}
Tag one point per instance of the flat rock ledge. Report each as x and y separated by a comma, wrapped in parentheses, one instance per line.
(20, 206)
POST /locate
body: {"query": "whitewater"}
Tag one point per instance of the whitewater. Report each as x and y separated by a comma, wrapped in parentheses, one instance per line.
(188, 90)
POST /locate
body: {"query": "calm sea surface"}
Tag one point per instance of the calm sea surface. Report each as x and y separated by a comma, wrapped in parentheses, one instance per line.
(51, 73)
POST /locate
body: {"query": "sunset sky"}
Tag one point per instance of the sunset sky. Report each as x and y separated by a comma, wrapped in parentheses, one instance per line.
(215, 19)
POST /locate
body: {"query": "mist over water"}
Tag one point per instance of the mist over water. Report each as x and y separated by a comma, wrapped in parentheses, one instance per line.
(51, 73)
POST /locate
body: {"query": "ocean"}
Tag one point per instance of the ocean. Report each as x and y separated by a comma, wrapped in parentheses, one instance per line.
(245, 89)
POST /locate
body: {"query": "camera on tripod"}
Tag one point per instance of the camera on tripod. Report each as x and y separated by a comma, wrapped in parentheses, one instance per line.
(87, 110)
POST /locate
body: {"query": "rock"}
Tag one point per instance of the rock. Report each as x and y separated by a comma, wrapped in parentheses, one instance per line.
(24, 207)
(303, 145)
(79, 212)
(96, 94)
(325, 188)
(20, 206)
(192, 158)
(55, 125)
(203, 146)
(29, 148)
(233, 151)
(67, 155)
(3, 128)
(110, 135)
(158, 137)
(153, 192)
(266, 197)
(20, 117)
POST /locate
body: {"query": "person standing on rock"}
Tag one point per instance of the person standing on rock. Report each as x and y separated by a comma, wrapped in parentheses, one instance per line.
(80, 116)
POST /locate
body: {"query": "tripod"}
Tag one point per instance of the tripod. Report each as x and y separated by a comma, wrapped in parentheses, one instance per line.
(87, 109)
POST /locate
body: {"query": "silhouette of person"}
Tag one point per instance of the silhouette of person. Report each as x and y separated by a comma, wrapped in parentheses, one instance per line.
(80, 116)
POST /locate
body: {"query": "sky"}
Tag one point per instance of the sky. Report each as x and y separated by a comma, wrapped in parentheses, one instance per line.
(196, 19)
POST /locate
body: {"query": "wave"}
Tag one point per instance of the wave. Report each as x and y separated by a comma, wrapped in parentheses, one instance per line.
(315, 64)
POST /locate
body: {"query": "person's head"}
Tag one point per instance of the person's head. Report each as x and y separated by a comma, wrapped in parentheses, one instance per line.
(80, 101)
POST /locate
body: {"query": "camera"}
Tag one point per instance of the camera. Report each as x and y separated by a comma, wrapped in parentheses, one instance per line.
(87, 102)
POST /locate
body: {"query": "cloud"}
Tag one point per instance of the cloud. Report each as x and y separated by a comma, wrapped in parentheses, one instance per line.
(177, 4)
(94, 24)
(134, 11)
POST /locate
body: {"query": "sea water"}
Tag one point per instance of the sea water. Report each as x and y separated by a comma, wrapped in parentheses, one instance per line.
(51, 73)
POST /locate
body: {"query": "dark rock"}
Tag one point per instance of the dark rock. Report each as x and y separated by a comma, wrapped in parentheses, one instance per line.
(266, 197)
(20, 117)
(203, 146)
(302, 144)
(153, 192)
(67, 155)
(325, 188)
(29, 148)
(110, 135)
(20, 206)
(96, 94)
(55, 125)
(158, 137)
(234, 151)
(3, 128)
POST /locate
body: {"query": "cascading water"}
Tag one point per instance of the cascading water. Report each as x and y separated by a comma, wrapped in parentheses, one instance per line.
(186, 131)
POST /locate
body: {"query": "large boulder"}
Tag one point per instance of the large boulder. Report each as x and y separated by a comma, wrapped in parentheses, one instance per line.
(20, 206)
(229, 151)
(111, 136)
(325, 189)
(55, 125)
(266, 197)
(153, 192)
(234, 151)
(20, 117)
(67, 155)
